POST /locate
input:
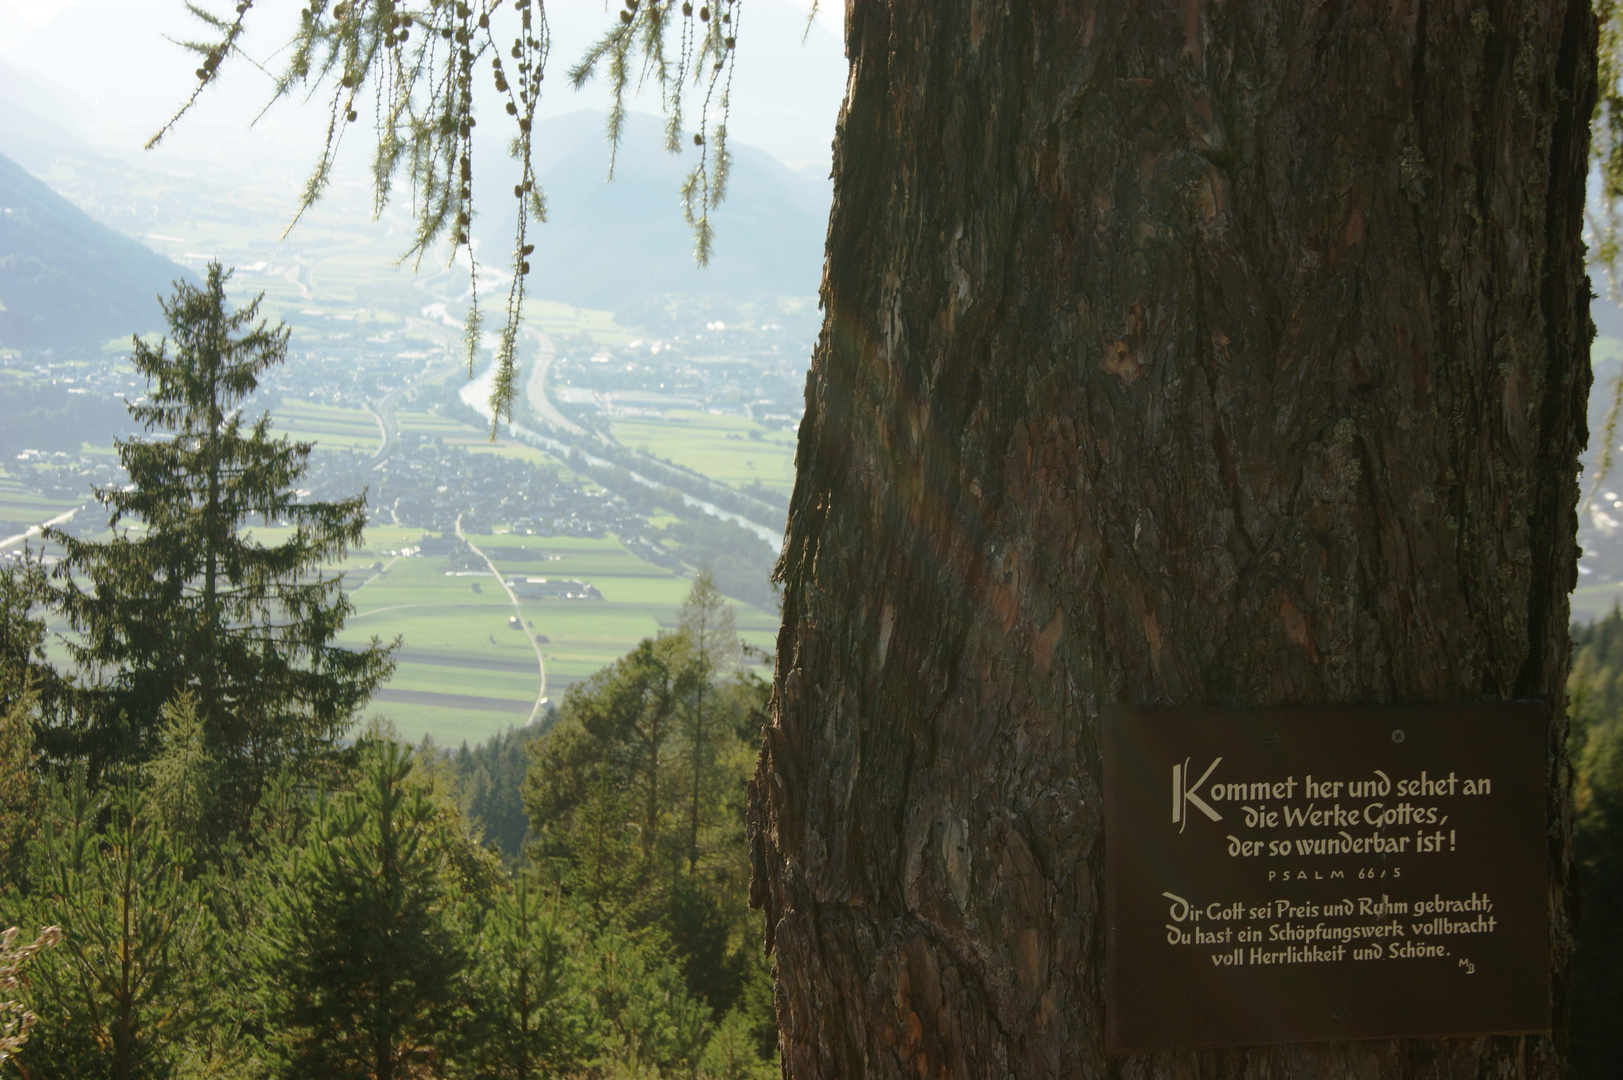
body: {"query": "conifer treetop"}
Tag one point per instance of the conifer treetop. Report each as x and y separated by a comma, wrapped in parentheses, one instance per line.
(192, 603)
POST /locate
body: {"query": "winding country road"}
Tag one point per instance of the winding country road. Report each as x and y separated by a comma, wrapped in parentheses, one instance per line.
(541, 664)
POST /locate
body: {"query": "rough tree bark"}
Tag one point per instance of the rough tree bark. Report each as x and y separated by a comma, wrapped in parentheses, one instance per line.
(1199, 352)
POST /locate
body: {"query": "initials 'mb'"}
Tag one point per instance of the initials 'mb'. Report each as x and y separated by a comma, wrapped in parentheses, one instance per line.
(1185, 794)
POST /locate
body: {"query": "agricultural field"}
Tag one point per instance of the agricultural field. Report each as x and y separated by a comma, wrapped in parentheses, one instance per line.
(1591, 602)
(461, 435)
(552, 317)
(728, 449)
(434, 425)
(465, 673)
(457, 433)
(21, 508)
(336, 262)
(332, 426)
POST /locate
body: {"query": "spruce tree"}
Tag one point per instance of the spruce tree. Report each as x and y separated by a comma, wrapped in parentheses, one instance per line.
(534, 1017)
(361, 942)
(184, 601)
(183, 780)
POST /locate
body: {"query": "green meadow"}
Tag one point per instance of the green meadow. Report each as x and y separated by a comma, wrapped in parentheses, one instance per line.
(1590, 602)
(552, 317)
(20, 508)
(434, 425)
(464, 672)
(332, 426)
(728, 449)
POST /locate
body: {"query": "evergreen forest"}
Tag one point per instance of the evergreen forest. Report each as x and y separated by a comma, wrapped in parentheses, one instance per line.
(212, 867)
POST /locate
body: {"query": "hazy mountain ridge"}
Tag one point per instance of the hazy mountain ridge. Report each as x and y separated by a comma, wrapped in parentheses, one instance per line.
(36, 125)
(613, 243)
(65, 279)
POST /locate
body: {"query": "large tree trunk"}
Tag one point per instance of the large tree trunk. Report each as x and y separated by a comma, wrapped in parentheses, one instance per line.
(1197, 352)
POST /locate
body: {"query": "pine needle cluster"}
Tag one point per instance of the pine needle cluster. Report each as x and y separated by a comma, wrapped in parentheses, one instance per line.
(15, 1019)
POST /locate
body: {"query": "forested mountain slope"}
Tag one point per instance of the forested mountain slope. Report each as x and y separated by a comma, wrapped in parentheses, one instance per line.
(65, 280)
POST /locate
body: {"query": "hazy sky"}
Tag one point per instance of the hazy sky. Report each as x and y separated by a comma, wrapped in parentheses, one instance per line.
(40, 12)
(108, 63)
(37, 12)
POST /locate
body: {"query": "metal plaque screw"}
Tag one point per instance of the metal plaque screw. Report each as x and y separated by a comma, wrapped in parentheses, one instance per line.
(1270, 738)
(1398, 735)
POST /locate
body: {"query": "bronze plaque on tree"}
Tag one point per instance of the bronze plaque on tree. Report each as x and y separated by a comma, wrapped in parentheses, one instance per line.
(1301, 874)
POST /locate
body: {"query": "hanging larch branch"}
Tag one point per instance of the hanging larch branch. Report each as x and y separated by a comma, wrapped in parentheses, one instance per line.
(419, 61)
